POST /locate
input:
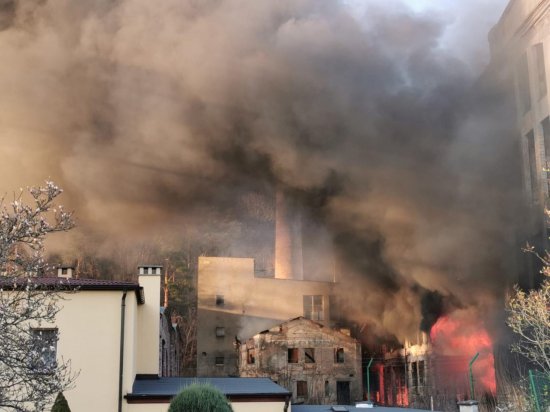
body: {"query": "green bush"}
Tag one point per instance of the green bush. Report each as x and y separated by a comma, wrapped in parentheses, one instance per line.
(200, 397)
(61, 404)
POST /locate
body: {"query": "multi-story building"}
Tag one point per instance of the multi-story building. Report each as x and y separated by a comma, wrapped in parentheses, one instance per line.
(519, 44)
(317, 364)
(234, 304)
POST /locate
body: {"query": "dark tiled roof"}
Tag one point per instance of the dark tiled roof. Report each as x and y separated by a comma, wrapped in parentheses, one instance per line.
(162, 388)
(58, 283)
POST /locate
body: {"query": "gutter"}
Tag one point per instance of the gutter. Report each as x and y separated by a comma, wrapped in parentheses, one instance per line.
(121, 359)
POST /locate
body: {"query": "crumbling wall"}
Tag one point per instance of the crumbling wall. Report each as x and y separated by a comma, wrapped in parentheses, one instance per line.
(320, 358)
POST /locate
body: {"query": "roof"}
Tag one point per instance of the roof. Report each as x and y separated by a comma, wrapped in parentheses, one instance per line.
(310, 323)
(164, 388)
(329, 408)
(77, 284)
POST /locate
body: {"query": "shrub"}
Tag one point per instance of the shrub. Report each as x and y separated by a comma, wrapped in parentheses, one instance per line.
(61, 404)
(200, 397)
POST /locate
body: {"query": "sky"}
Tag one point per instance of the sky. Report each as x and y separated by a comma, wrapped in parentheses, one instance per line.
(464, 19)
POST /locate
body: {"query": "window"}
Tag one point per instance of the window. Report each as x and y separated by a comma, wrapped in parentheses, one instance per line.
(532, 163)
(522, 73)
(421, 373)
(541, 70)
(219, 360)
(301, 389)
(414, 371)
(220, 301)
(313, 307)
(327, 388)
(251, 356)
(292, 355)
(43, 352)
(339, 355)
(220, 332)
(309, 355)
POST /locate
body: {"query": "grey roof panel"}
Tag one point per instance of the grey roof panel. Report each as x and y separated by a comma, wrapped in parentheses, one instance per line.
(228, 386)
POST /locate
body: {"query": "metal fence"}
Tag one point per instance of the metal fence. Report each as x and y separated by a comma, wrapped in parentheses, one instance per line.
(540, 390)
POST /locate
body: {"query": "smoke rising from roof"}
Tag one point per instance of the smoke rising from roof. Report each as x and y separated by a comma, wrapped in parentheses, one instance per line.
(161, 114)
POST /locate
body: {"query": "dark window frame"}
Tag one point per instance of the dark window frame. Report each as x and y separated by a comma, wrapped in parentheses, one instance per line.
(293, 355)
(301, 389)
(46, 363)
(339, 355)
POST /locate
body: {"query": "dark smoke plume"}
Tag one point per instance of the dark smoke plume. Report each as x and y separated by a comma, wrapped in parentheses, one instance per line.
(184, 116)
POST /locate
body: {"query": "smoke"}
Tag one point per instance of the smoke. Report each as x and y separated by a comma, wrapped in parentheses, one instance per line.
(158, 116)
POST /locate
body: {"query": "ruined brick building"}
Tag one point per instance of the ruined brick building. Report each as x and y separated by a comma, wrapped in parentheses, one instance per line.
(318, 365)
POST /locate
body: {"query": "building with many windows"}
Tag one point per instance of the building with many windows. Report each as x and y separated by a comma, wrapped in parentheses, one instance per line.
(519, 44)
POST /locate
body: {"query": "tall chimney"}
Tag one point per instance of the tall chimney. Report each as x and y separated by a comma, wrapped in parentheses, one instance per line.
(288, 239)
(149, 320)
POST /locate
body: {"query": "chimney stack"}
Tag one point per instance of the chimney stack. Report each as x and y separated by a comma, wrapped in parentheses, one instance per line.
(65, 272)
(149, 323)
(288, 239)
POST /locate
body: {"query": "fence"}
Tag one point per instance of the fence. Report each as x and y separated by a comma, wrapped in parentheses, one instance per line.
(540, 390)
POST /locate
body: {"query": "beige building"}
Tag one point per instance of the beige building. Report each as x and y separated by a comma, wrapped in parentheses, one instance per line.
(519, 45)
(318, 365)
(109, 330)
(234, 304)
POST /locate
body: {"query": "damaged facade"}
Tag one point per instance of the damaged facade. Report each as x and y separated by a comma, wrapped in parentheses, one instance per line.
(417, 376)
(318, 365)
(234, 304)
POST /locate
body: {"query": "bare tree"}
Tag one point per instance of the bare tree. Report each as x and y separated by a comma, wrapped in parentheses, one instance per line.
(529, 317)
(30, 374)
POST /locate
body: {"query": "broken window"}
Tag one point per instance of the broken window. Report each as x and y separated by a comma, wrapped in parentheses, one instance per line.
(301, 389)
(292, 355)
(220, 332)
(313, 307)
(421, 373)
(219, 360)
(250, 356)
(339, 355)
(414, 371)
(220, 301)
(309, 355)
(42, 357)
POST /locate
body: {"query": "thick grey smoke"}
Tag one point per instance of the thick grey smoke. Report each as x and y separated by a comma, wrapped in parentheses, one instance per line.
(160, 115)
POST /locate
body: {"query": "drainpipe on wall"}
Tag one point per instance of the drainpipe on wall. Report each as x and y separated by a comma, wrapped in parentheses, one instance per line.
(121, 360)
(287, 402)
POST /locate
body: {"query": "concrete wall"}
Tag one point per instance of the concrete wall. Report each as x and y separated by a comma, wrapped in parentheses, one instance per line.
(322, 375)
(250, 305)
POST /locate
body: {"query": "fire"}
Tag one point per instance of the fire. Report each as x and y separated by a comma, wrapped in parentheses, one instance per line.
(459, 337)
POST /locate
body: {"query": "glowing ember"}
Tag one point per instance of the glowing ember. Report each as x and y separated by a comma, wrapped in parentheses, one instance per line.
(461, 338)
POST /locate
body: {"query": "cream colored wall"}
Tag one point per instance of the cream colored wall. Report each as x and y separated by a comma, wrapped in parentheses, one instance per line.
(149, 326)
(237, 407)
(89, 328)
(247, 295)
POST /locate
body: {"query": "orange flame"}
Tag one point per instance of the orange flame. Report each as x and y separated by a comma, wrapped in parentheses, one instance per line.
(460, 337)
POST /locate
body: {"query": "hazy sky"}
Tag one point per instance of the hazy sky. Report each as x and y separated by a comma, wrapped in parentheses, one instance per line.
(467, 22)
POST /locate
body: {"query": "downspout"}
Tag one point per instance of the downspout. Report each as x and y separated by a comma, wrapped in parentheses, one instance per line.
(121, 360)
(287, 402)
